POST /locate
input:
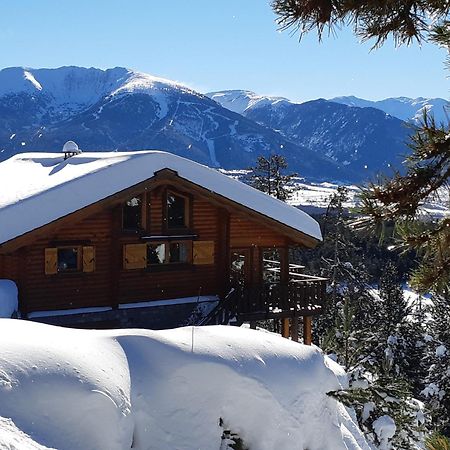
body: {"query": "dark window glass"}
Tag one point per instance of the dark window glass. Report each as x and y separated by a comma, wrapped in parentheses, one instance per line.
(271, 266)
(67, 259)
(132, 213)
(156, 253)
(176, 211)
(179, 252)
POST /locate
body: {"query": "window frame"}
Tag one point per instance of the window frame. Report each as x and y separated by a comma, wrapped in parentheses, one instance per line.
(167, 262)
(142, 221)
(189, 252)
(161, 264)
(82, 268)
(79, 268)
(187, 211)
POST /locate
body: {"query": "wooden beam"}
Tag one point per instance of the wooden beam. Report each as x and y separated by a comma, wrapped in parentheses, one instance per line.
(285, 327)
(294, 329)
(223, 257)
(307, 330)
(115, 257)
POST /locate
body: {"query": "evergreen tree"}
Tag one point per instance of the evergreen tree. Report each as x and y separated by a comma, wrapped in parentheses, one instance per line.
(371, 19)
(268, 176)
(437, 389)
(400, 197)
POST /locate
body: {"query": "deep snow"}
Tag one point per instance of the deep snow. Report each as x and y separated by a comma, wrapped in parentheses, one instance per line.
(166, 390)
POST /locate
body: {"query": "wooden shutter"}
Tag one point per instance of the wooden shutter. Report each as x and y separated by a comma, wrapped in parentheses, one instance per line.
(203, 252)
(88, 259)
(134, 256)
(51, 261)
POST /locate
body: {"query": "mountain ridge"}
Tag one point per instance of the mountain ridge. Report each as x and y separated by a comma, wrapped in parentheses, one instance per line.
(365, 140)
(120, 109)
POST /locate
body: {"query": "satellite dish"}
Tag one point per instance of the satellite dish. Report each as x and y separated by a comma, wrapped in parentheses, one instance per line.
(70, 149)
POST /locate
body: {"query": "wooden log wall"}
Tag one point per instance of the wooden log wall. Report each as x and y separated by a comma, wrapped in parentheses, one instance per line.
(109, 284)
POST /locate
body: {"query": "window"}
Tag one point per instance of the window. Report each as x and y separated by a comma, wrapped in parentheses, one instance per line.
(271, 265)
(152, 254)
(177, 211)
(179, 252)
(132, 214)
(156, 253)
(68, 259)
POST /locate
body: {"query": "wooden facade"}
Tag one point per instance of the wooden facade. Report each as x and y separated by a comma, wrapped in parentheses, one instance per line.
(112, 266)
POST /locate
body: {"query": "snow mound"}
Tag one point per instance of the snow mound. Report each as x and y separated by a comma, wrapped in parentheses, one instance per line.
(8, 298)
(165, 390)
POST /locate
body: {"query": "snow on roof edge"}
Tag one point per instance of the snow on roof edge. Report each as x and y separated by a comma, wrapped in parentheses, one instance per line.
(93, 176)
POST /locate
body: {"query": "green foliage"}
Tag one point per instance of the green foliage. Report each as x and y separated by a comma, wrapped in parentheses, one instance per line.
(437, 382)
(230, 440)
(268, 176)
(399, 200)
(375, 336)
(384, 396)
(437, 442)
(377, 19)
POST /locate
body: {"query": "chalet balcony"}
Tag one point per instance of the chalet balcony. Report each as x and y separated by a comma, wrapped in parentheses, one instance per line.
(299, 297)
(283, 291)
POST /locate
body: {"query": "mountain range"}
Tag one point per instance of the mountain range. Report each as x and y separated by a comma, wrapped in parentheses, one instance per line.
(363, 140)
(121, 109)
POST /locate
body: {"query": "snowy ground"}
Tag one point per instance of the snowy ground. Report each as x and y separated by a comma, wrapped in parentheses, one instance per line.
(314, 198)
(166, 390)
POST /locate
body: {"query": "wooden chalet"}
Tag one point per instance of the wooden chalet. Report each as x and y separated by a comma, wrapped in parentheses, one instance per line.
(143, 239)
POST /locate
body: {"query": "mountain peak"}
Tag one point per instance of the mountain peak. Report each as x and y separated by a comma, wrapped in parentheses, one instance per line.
(240, 100)
(404, 108)
(72, 89)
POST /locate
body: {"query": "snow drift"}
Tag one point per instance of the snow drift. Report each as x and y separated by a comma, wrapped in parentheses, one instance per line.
(166, 390)
(8, 298)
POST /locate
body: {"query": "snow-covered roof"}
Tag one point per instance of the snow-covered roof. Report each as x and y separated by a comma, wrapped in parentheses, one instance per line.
(38, 188)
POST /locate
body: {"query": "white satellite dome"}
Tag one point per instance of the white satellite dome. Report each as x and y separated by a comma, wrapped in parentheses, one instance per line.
(71, 146)
(71, 149)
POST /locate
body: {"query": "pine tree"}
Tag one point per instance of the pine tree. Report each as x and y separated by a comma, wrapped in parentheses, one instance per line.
(268, 176)
(375, 19)
(399, 200)
(437, 389)
(371, 349)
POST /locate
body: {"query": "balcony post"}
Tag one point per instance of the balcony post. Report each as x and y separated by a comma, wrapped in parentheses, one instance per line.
(294, 328)
(284, 281)
(307, 330)
(285, 327)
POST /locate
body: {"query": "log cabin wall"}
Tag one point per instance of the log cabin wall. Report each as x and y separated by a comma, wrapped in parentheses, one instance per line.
(9, 267)
(249, 233)
(174, 281)
(109, 284)
(38, 291)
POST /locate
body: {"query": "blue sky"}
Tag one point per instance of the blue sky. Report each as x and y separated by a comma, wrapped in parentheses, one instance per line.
(212, 45)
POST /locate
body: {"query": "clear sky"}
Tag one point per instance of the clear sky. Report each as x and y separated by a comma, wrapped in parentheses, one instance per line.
(212, 45)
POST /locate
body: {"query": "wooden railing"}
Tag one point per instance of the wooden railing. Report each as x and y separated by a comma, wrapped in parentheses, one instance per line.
(296, 298)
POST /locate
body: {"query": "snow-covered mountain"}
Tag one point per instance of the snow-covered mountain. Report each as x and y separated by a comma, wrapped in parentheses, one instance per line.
(404, 108)
(239, 101)
(68, 90)
(364, 140)
(120, 109)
